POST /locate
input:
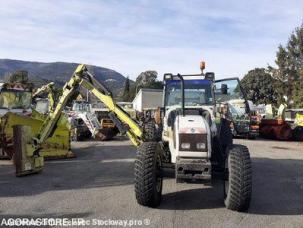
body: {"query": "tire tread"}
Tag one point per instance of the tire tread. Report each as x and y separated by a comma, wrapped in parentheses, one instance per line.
(145, 172)
(240, 179)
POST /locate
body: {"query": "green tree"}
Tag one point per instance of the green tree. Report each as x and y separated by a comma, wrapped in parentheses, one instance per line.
(146, 79)
(258, 85)
(126, 95)
(289, 71)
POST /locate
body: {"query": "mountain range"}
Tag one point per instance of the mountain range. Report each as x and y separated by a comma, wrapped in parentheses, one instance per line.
(41, 73)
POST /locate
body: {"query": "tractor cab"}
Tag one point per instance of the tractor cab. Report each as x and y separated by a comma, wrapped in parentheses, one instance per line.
(16, 94)
(197, 92)
(184, 93)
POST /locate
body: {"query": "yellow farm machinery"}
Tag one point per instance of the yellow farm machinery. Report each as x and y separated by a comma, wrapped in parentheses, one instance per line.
(15, 104)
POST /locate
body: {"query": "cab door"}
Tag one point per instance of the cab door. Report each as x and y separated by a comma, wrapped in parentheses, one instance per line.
(229, 90)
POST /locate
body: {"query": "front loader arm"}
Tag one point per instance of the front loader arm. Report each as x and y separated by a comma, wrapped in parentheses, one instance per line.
(49, 89)
(45, 88)
(50, 122)
(121, 118)
(27, 157)
(82, 77)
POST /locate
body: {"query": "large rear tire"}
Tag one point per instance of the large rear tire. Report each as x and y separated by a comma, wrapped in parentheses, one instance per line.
(238, 180)
(148, 178)
(151, 132)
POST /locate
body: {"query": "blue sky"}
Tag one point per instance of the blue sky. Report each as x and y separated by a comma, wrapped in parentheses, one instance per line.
(133, 36)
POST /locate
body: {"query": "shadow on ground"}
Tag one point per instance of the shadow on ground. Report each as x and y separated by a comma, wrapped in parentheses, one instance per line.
(277, 190)
(194, 199)
(95, 166)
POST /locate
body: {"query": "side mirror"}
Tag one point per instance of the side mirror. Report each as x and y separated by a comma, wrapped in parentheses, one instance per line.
(224, 89)
(210, 76)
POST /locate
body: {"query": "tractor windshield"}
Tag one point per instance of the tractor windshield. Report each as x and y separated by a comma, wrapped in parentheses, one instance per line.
(15, 99)
(196, 93)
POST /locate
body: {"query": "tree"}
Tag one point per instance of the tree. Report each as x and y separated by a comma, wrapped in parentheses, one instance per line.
(125, 96)
(289, 73)
(258, 85)
(146, 78)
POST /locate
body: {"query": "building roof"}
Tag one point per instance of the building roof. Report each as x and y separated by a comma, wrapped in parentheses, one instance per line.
(150, 90)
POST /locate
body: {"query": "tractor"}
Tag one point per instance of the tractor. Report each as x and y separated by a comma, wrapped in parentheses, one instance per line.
(196, 143)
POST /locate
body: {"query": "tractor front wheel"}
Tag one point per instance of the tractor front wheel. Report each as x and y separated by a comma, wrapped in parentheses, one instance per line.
(148, 178)
(238, 178)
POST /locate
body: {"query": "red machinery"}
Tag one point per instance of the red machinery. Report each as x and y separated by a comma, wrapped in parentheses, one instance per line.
(275, 129)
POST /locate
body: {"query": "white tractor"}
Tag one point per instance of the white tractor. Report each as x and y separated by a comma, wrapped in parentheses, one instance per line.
(196, 142)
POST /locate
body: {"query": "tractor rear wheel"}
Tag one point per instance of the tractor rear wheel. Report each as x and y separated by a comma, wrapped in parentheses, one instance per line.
(148, 178)
(238, 178)
(151, 133)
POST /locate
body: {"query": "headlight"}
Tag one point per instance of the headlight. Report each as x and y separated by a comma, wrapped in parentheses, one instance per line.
(201, 146)
(185, 145)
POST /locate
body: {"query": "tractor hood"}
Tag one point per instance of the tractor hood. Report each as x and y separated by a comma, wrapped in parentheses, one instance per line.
(191, 137)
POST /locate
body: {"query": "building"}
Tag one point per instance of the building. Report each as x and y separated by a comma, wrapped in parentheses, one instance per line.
(147, 99)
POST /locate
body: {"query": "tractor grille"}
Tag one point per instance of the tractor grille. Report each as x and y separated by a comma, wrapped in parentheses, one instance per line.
(193, 139)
